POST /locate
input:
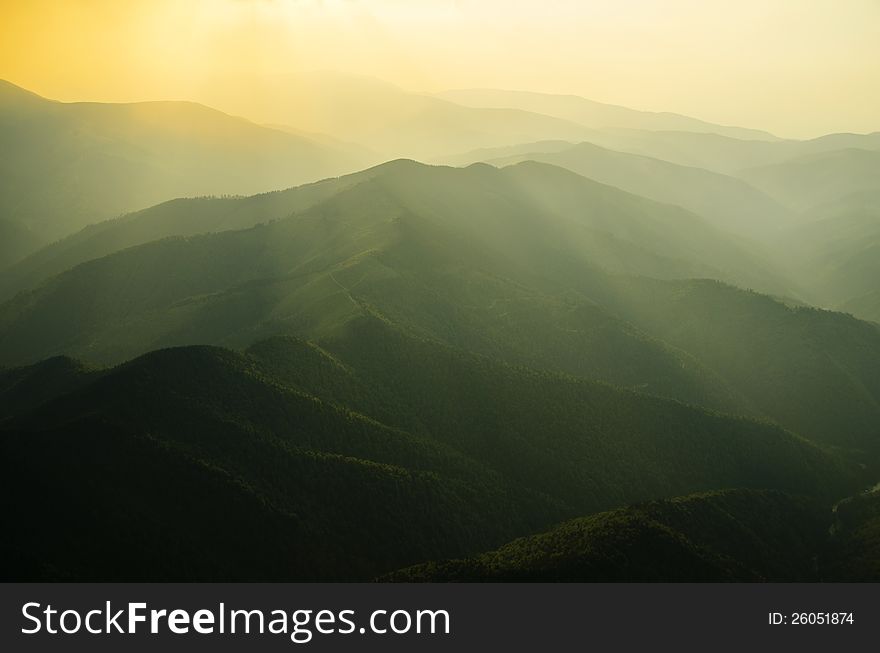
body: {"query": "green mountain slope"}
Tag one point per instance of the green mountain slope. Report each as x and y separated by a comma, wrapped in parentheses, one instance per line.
(498, 262)
(853, 553)
(179, 217)
(393, 227)
(814, 371)
(615, 231)
(735, 535)
(25, 388)
(412, 449)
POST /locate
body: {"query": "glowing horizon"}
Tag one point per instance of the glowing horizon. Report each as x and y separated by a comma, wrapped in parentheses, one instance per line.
(769, 65)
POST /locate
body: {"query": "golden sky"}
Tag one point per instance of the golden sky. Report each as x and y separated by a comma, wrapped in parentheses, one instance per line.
(795, 67)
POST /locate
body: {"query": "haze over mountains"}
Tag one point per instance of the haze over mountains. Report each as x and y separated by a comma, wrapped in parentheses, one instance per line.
(595, 114)
(311, 351)
(728, 202)
(69, 165)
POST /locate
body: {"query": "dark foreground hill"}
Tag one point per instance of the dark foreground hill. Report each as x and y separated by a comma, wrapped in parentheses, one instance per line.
(734, 535)
(853, 552)
(368, 453)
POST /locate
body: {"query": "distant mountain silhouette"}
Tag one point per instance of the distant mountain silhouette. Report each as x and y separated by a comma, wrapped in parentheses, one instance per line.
(69, 164)
(389, 120)
(810, 180)
(727, 202)
(595, 114)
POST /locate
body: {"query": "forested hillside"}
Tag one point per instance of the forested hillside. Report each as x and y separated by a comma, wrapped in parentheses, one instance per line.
(735, 535)
(434, 452)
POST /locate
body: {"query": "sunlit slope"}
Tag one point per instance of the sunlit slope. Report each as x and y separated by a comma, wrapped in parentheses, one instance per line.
(594, 114)
(66, 165)
(507, 263)
(619, 232)
(727, 202)
(277, 460)
(734, 535)
(482, 258)
(179, 217)
(814, 371)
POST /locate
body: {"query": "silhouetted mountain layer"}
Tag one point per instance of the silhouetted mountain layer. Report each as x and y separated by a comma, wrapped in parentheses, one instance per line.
(69, 164)
(595, 114)
(387, 119)
(710, 151)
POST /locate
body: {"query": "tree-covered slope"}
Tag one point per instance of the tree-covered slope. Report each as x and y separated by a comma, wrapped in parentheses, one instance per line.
(613, 229)
(735, 535)
(413, 450)
(812, 370)
(178, 217)
(853, 551)
(480, 258)
(190, 451)
(506, 263)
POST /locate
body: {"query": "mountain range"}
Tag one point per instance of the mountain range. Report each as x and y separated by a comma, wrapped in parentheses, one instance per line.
(572, 341)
